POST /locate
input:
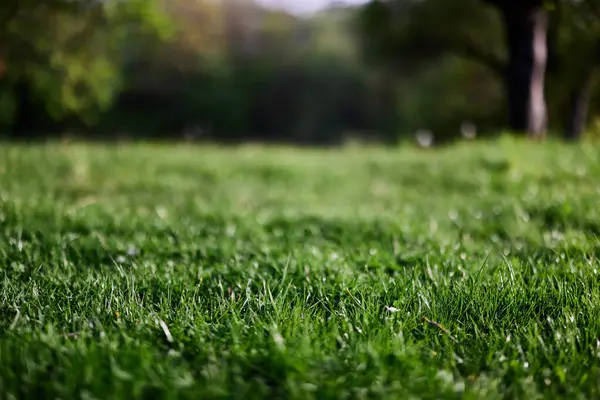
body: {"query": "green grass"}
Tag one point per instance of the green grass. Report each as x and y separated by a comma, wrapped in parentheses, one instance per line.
(155, 271)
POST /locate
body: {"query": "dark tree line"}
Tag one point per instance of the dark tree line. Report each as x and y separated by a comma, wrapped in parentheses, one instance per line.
(543, 41)
(235, 70)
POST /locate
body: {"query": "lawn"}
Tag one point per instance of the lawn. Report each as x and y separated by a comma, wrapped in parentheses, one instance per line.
(174, 271)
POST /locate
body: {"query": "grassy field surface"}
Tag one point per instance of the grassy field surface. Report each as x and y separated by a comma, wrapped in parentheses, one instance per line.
(156, 271)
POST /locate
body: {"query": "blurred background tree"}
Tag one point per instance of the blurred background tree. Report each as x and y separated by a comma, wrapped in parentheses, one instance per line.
(61, 59)
(519, 42)
(235, 70)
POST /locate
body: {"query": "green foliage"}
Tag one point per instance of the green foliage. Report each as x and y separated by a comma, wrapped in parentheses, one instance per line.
(408, 32)
(138, 16)
(443, 95)
(142, 271)
(158, 67)
(411, 35)
(69, 54)
(300, 81)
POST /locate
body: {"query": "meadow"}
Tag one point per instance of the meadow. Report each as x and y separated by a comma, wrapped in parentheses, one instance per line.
(179, 271)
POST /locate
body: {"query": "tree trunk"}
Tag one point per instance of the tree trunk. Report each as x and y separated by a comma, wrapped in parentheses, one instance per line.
(526, 27)
(581, 91)
(579, 102)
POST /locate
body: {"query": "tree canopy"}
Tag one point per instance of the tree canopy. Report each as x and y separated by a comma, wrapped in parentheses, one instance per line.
(66, 53)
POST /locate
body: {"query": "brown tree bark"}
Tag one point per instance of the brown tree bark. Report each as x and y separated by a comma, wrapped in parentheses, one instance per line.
(526, 30)
(526, 38)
